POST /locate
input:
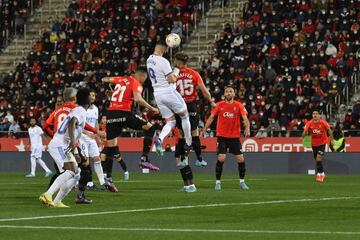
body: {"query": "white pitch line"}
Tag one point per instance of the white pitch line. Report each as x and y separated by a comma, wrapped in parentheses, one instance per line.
(181, 230)
(176, 207)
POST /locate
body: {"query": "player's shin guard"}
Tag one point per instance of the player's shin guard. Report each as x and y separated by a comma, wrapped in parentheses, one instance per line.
(219, 169)
(242, 170)
(319, 167)
(185, 124)
(197, 147)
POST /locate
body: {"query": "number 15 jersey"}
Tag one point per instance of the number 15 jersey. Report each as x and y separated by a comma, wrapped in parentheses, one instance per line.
(123, 98)
(187, 84)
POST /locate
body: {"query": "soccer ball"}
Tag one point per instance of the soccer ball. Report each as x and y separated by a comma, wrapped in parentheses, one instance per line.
(173, 40)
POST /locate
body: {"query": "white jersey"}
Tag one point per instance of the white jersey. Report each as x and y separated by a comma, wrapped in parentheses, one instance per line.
(35, 137)
(159, 68)
(92, 116)
(61, 137)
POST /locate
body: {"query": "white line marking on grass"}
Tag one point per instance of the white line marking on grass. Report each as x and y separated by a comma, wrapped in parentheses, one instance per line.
(142, 210)
(181, 230)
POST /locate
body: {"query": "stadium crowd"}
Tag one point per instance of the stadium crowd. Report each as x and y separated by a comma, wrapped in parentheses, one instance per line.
(95, 39)
(285, 58)
(13, 15)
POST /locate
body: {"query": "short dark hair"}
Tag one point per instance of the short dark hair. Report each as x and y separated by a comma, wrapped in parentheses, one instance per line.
(92, 90)
(182, 57)
(82, 96)
(161, 41)
(229, 86)
(33, 118)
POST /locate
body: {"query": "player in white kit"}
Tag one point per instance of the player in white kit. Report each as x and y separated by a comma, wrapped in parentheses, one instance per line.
(62, 148)
(168, 100)
(35, 135)
(90, 147)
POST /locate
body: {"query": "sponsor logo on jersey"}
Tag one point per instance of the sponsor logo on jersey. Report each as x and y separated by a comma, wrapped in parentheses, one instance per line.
(228, 115)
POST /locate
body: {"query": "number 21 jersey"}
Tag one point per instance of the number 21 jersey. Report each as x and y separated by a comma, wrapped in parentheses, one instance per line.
(123, 98)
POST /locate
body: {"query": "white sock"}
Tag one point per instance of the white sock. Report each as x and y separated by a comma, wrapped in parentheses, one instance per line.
(322, 174)
(59, 181)
(242, 180)
(217, 181)
(33, 165)
(90, 184)
(99, 172)
(185, 124)
(43, 165)
(167, 129)
(65, 189)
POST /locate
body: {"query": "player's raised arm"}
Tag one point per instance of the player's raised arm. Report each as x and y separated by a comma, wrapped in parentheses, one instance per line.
(108, 79)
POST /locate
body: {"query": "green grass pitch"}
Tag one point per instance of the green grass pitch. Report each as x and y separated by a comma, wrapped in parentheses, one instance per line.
(149, 207)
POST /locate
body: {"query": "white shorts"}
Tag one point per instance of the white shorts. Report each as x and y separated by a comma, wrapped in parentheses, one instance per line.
(61, 157)
(90, 148)
(170, 103)
(36, 152)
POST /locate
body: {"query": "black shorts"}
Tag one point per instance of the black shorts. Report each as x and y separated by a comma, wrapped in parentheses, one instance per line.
(117, 120)
(105, 150)
(193, 115)
(318, 150)
(229, 145)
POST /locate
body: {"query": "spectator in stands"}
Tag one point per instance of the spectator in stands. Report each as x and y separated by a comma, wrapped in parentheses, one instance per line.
(14, 129)
(262, 133)
(4, 125)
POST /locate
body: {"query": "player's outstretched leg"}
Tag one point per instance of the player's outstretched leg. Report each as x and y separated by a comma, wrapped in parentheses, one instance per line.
(46, 197)
(65, 188)
(170, 124)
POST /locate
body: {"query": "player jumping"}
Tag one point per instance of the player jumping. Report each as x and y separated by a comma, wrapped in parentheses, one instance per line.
(187, 84)
(319, 130)
(119, 116)
(170, 102)
(229, 113)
